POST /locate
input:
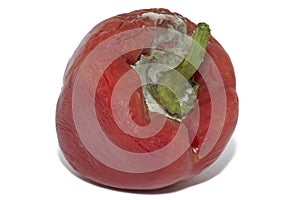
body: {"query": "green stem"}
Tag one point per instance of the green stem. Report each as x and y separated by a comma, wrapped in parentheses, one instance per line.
(170, 90)
(195, 57)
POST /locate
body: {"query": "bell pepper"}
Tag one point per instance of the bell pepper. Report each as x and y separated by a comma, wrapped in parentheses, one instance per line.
(148, 100)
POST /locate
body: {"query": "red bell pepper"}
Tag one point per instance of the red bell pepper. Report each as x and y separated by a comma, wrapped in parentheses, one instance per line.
(108, 127)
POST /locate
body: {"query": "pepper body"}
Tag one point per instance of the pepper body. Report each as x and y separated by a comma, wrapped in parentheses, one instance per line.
(205, 143)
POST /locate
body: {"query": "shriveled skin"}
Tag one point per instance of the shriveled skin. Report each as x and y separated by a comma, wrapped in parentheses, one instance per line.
(189, 163)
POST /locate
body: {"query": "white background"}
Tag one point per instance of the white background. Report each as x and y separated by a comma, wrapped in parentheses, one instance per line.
(262, 37)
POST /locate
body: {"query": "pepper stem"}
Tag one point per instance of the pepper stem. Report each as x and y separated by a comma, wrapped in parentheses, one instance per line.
(175, 90)
(195, 57)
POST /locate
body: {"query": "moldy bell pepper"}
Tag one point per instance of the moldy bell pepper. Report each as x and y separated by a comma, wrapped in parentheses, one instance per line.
(148, 100)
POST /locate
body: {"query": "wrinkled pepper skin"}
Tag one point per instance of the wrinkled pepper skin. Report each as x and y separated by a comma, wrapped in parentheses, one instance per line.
(189, 163)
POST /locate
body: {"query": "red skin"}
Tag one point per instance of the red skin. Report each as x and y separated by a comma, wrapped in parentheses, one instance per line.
(188, 164)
